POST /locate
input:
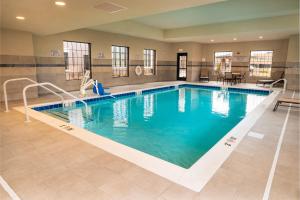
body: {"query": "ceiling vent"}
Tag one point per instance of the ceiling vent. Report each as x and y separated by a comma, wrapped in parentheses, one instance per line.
(110, 7)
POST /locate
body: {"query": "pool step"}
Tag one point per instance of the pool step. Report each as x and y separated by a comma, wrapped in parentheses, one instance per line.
(63, 115)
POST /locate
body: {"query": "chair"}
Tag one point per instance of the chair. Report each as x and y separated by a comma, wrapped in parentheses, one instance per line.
(204, 75)
(241, 78)
(269, 81)
(228, 78)
(284, 100)
(100, 89)
(220, 76)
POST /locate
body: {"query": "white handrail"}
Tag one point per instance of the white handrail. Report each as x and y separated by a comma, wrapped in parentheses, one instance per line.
(22, 79)
(284, 83)
(54, 86)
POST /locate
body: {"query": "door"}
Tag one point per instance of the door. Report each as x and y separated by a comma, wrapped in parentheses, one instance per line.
(181, 66)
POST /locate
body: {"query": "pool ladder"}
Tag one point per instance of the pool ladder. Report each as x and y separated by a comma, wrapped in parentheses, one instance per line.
(42, 85)
(284, 84)
(54, 86)
(22, 79)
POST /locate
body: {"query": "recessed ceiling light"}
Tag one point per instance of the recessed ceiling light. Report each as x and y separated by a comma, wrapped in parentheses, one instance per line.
(20, 17)
(212, 40)
(234, 39)
(60, 3)
(260, 37)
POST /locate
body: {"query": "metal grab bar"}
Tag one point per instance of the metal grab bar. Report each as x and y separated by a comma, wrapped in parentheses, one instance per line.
(54, 86)
(22, 79)
(284, 83)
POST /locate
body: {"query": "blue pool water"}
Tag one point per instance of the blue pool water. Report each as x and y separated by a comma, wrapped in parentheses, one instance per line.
(178, 126)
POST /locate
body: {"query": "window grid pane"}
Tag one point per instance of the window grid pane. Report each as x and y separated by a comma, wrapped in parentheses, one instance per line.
(149, 61)
(77, 59)
(261, 63)
(119, 61)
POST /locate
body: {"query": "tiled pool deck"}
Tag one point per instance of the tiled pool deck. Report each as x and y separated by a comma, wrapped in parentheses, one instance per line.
(41, 162)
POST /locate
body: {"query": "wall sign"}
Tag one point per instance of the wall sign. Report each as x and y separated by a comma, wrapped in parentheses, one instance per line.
(100, 55)
(55, 53)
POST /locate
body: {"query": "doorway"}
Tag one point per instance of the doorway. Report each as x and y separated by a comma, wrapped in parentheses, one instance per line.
(181, 66)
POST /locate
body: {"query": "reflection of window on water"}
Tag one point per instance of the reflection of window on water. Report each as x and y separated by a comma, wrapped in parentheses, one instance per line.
(148, 105)
(120, 112)
(76, 117)
(252, 102)
(194, 99)
(181, 100)
(220, 102)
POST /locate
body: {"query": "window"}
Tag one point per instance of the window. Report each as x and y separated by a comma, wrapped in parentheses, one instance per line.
(149, 61)
(77, 59)
(222, 61)
(120, 60)
(261, 63)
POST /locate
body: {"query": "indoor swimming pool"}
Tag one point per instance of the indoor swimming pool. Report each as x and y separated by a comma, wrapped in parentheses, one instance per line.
(178, 125)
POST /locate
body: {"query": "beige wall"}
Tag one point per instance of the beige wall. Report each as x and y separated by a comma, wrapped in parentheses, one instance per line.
(16, 60)
(278, 46)
(24, 54)
(292, 70)
(51, 69)
(16, 43)
(194, 51)
(241, 54)
(293, 49)
(101, 42)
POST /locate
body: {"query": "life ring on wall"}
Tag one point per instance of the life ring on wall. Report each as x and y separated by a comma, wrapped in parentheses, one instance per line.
(138, 70)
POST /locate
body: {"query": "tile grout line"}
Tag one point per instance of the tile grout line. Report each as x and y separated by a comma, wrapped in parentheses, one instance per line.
(8, 189)
(276, 156)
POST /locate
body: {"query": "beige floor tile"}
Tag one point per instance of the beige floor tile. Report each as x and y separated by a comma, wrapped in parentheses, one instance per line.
(251, 189)
(223, 185)
(176, 192)
(4, 195)
(281, 189)
(150, 182)
(118, 165)
(102, 176)
(123, 189)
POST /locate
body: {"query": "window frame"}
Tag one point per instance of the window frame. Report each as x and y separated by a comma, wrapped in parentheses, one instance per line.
(251, 73)
(214, 56)
(66, 62)
(114, 64)
(149, 61)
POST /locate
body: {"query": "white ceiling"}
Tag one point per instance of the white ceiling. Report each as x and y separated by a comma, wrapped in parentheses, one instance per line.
(44, 17)
(232, 10)
(165, 20)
